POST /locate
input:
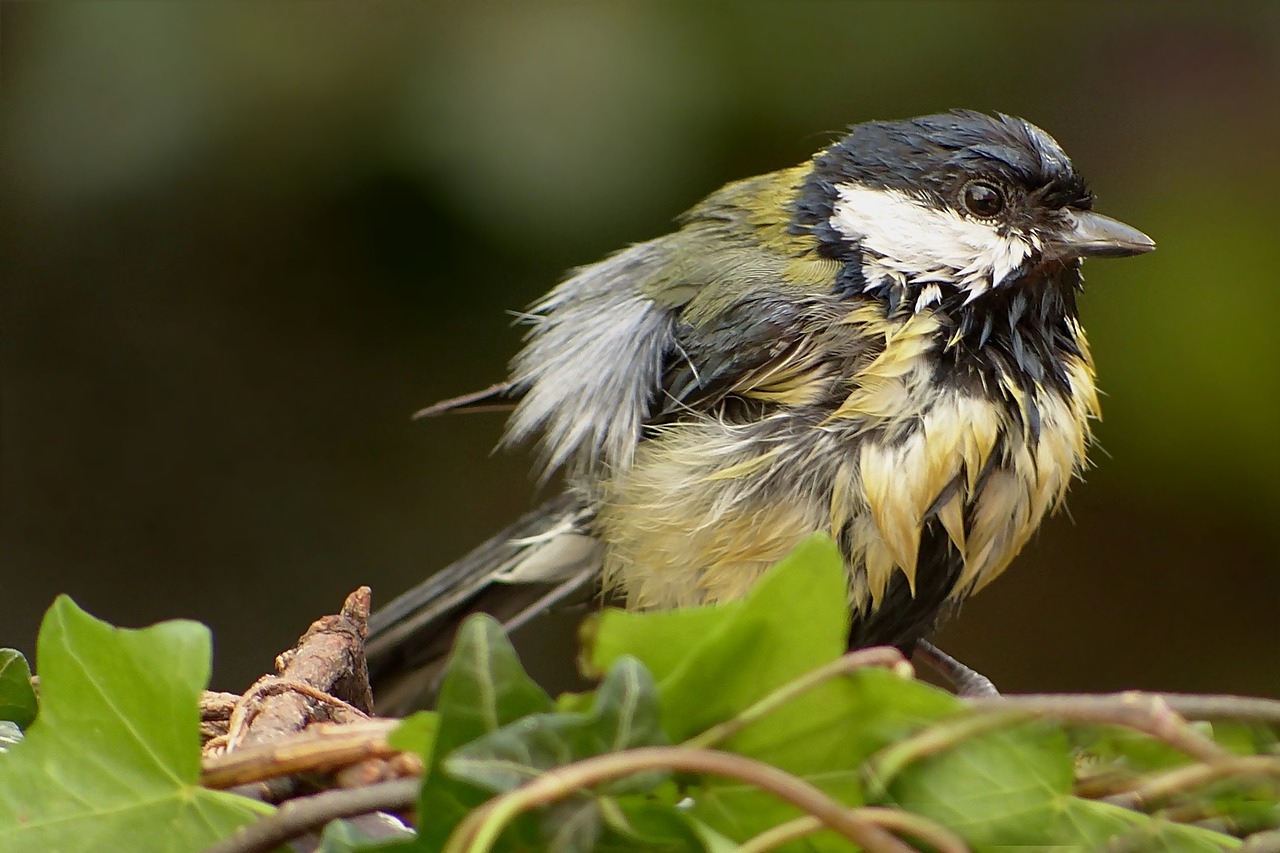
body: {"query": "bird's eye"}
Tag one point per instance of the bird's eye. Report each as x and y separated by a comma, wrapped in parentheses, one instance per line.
(982, 199)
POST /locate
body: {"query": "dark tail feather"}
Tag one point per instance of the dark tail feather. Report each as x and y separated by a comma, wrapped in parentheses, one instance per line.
(499, 397)
(515, 575)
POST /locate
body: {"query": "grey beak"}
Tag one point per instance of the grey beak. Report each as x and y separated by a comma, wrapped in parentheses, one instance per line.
(1091, 235)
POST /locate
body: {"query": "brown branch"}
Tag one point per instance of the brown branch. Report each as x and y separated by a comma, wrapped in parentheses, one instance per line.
(321, 679)
(215, 714)
(253, 705)
(478, 832)
(322, 747)
(1181, 780)
(899, 821)
(783, 833)
(1191, 706)
(302, 815)
(1148, 713)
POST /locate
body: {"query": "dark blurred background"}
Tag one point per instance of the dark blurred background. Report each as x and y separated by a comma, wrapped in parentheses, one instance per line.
(243, 242)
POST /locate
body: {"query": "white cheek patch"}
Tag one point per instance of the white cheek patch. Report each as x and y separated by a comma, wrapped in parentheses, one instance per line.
(907, 241)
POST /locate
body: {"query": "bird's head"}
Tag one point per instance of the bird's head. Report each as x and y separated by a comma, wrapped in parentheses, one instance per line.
(948, 208)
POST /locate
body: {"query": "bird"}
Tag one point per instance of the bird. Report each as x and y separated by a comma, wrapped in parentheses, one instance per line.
(882, 344)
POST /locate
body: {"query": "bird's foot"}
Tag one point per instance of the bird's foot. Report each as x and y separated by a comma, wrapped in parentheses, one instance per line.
(967, 683)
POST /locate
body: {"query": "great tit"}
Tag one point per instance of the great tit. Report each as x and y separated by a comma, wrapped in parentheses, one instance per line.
(882, 344)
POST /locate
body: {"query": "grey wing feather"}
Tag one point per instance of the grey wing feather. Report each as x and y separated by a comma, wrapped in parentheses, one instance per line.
(591, 368)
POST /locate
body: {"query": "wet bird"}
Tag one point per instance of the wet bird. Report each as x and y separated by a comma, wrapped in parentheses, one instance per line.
(881, 344)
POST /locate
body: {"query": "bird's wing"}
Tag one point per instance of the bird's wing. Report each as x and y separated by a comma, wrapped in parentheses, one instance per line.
(755, 302)
(765, 348)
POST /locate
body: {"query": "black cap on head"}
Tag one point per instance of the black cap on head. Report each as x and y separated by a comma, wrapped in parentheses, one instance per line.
(933, 156)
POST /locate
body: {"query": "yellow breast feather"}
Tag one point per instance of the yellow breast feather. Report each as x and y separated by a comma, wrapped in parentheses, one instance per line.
(709, 505)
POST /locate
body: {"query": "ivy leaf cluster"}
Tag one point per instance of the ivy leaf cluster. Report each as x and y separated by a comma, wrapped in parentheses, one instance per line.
(739, 726)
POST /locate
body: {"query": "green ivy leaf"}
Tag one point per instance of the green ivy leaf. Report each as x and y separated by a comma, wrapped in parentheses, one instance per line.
(17, 698)
(661, 639)
(999, 787)
(1125, 749)
(484, 689)
(624, 715)
(1092, 825)
(484, 686)
(572, 826)
(795, 619)
(857, 715)
(1247, 738)
(113, 760)
(1012, 787)
(648, 823)
(712, 841)
(714, 662)
(416, 733)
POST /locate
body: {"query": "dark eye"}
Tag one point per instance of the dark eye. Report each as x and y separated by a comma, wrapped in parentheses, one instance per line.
(982, 199)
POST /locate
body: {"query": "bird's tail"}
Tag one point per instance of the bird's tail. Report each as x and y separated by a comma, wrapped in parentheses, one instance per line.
(543, 558)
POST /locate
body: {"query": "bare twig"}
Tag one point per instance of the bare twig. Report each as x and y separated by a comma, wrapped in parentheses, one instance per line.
(1146, 712)
(781, 834)
(321, 747)
(480, 830)
(1161, 787)
(304, 814)
(1189, 705)
(939, 737)
(902, 822)
(250, 706)
(215, 714)
(217, 706)
(323, 678)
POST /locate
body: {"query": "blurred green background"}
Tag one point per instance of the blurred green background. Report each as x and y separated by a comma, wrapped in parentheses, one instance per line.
(243, 242)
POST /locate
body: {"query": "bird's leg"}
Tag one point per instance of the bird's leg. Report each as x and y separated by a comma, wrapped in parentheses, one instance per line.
(967, 683)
